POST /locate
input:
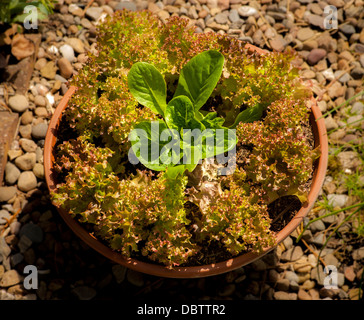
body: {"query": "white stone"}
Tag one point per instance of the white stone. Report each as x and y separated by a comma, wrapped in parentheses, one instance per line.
(246, 11)
(67, 52)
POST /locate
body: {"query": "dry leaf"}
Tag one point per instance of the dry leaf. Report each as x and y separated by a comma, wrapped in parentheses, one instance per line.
(21, 47)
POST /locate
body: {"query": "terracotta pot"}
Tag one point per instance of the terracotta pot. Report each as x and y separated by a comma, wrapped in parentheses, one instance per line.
(319, 130)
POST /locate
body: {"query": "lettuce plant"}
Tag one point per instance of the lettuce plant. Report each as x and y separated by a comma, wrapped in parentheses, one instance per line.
(164, 77)
(181, 116)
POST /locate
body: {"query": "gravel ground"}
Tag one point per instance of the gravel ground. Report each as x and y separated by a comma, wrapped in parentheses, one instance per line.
(332, 60)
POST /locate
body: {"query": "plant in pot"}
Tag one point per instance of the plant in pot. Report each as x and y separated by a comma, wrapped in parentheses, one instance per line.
(181, 154)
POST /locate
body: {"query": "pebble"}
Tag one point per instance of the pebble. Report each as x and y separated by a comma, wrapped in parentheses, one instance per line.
(28, 146)
(32, 231)
(65, 68)
(6, 193)
(38, 170)
(348, 159)
(247, 11)
(10, 278)
(26, 161)
(119, 272)
(128, 5)
(304, 34)
(39, 131)
(303, 295)
(84, 292)
(358, 107)
(234, 15)
(135, 278)
(27, 117)
(319, 239)
(94, 13)
(337, 200)
(281, 295)
(282, 285)
(18, 103)
(12, 173)
(4, 216)
(349, 273)
(330, 123)
(347, 29)
(358, 254)
(76, 44)
(24, 243)
(49, 70)
(316, 55)
(292, 254)
(27, 181)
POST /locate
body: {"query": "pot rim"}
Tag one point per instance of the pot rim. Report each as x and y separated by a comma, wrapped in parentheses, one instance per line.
(319, 128)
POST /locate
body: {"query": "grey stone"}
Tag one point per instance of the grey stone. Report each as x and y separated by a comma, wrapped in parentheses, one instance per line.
(135, 278)
(94, 13)
(221, 18)
(355, 119)
(6, 193)
(348, 159)
(127, 5)
(318, 274)
(39, 131)
(119, 272)
(32, 231)
(291, 276)
(330, 123)
(292, 254)
(337, 200)
(358, 107)
(18, 103)
(319, 239)
(84, 292)
(16, 259)
(12, 173)
(234, 15)
(317, 226)
(347, 29)
(24, 243)
(344, 78)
